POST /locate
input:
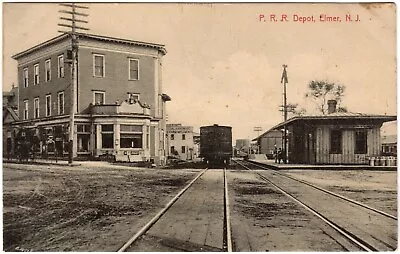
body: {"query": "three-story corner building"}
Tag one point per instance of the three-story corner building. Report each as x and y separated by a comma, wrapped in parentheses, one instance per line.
(119, 97)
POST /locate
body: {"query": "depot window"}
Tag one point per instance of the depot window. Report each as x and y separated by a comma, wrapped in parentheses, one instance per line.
(336, 142)
(183, 149)
(131, 136)
(107, 135)
(360, 142)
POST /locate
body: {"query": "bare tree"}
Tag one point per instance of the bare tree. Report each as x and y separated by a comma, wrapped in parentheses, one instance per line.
(321, 91)
(293, 110)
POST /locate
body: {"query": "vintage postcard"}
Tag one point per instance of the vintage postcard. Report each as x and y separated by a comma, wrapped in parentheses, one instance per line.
(199, 127)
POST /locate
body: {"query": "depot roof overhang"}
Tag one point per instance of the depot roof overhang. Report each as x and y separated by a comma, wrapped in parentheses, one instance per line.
(336, 119)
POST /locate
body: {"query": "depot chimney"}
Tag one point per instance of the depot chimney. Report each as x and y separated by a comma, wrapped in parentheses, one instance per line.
(332, 106)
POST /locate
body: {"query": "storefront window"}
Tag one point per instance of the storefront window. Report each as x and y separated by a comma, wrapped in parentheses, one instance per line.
(107, 135)
(131, 140)
(131, 136)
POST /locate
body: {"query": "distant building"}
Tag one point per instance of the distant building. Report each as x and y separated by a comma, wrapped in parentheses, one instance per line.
(181, 142)
(10, 115)
(389, 145)
(119, 97)
(242, 147)
(10, 99)
(196, 147)
(336, 138)
(268, 141)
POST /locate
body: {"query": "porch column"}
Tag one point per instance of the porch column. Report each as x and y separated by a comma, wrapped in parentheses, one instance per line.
(98, 139)
(117, 137)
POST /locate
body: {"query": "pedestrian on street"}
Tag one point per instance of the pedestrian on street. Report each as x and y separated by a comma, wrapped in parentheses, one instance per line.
(275, 154)
(279, 155)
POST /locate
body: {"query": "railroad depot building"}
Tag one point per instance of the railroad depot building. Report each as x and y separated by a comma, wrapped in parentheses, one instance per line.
(119, 98)
(335, 138)
(183, 143)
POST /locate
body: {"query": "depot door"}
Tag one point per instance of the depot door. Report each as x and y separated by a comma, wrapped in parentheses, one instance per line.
(310, 147)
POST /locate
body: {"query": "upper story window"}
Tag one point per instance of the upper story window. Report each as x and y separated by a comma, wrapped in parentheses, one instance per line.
(36, 74)
(336, 142)
(47, 69)
(183, 137)
(98, 65)
(48, 105)
(61, 66)
(26, 107)
(172, 136)
(98, 97)
(133, 69)
(361, 142)
(60, 103)
(36, 108)
(26, 77)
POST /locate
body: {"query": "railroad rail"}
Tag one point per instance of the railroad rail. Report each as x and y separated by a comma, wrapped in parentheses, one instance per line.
(357, 241)
(328, 192)
(227, 238)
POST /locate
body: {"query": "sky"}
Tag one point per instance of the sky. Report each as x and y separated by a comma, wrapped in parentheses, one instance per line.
(224, 62)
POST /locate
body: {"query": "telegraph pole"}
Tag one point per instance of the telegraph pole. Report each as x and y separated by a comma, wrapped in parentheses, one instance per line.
(258, 129)
(72, 20)
(284, 80)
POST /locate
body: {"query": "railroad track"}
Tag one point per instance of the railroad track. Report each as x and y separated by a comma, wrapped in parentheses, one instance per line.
(363, 235)
(226, 239)
(328, 192)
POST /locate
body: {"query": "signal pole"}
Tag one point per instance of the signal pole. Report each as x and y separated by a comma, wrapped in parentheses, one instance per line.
(258, 129)
(284, 80)
(72, 20)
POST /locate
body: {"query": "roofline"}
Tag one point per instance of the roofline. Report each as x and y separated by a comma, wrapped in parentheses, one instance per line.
(385, 118)
(266, 132)
(160, 47)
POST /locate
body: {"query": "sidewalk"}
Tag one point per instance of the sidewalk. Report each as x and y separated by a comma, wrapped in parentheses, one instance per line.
(43, 162)
(272, 165)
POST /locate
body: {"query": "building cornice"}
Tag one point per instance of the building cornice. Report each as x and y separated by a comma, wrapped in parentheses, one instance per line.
(159, 47)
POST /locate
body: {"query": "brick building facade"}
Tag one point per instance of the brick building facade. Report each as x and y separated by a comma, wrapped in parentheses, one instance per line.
(119, 97)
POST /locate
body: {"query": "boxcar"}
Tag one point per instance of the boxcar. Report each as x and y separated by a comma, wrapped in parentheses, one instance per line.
(216, 144)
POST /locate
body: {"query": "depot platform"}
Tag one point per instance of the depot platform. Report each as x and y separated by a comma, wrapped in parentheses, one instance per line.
(262, 160)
